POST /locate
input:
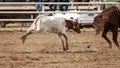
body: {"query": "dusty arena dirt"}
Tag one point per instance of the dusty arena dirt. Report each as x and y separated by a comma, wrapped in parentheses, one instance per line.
(44, 50)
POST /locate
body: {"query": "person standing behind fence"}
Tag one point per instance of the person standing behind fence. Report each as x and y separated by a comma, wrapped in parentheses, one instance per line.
(100, 6)
(53, 7)
(38, 6)
(63, 7)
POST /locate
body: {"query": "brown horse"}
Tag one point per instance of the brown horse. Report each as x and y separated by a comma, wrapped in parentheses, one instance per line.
(107, 20)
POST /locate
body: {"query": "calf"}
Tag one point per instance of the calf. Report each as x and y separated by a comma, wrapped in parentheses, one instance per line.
(54, 25)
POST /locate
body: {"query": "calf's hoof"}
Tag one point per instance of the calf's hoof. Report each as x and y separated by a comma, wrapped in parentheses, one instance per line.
(23, 39)
(67, 48)
(64, 49)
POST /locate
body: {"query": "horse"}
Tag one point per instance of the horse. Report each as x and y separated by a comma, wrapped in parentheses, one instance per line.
(108, 19)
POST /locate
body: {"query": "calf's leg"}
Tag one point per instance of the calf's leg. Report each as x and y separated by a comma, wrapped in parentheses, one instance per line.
(29, 31)
(60, 35)
(25, 35)
(63, 35)
(66, 39)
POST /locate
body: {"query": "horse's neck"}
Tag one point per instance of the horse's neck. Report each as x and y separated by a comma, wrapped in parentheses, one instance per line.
(118, 11)
(118, 6)
(110, 9)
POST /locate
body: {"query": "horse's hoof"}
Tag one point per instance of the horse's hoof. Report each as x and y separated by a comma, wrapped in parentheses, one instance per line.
(110, 46)
(118, 48)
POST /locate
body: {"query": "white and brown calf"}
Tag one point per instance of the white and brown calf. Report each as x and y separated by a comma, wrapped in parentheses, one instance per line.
(52, 24)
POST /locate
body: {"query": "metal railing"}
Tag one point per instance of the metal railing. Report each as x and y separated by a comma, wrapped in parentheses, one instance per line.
(58, 3)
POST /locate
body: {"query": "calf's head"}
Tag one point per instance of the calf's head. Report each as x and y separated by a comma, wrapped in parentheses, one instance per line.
(70, 24)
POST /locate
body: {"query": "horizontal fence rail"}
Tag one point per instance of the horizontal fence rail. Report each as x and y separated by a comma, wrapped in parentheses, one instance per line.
(26, 20)
(17, 20)
(58, 3)
(37, 12)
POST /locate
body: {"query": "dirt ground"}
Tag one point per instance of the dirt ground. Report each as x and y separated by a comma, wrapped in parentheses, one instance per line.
(44, 50)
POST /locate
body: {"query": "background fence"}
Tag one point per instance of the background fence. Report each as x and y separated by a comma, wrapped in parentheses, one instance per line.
(48, 3)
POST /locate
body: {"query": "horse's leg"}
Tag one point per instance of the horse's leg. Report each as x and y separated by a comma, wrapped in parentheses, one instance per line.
(66, 41)
(60, 35)
(105, 37)
(115, 35)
